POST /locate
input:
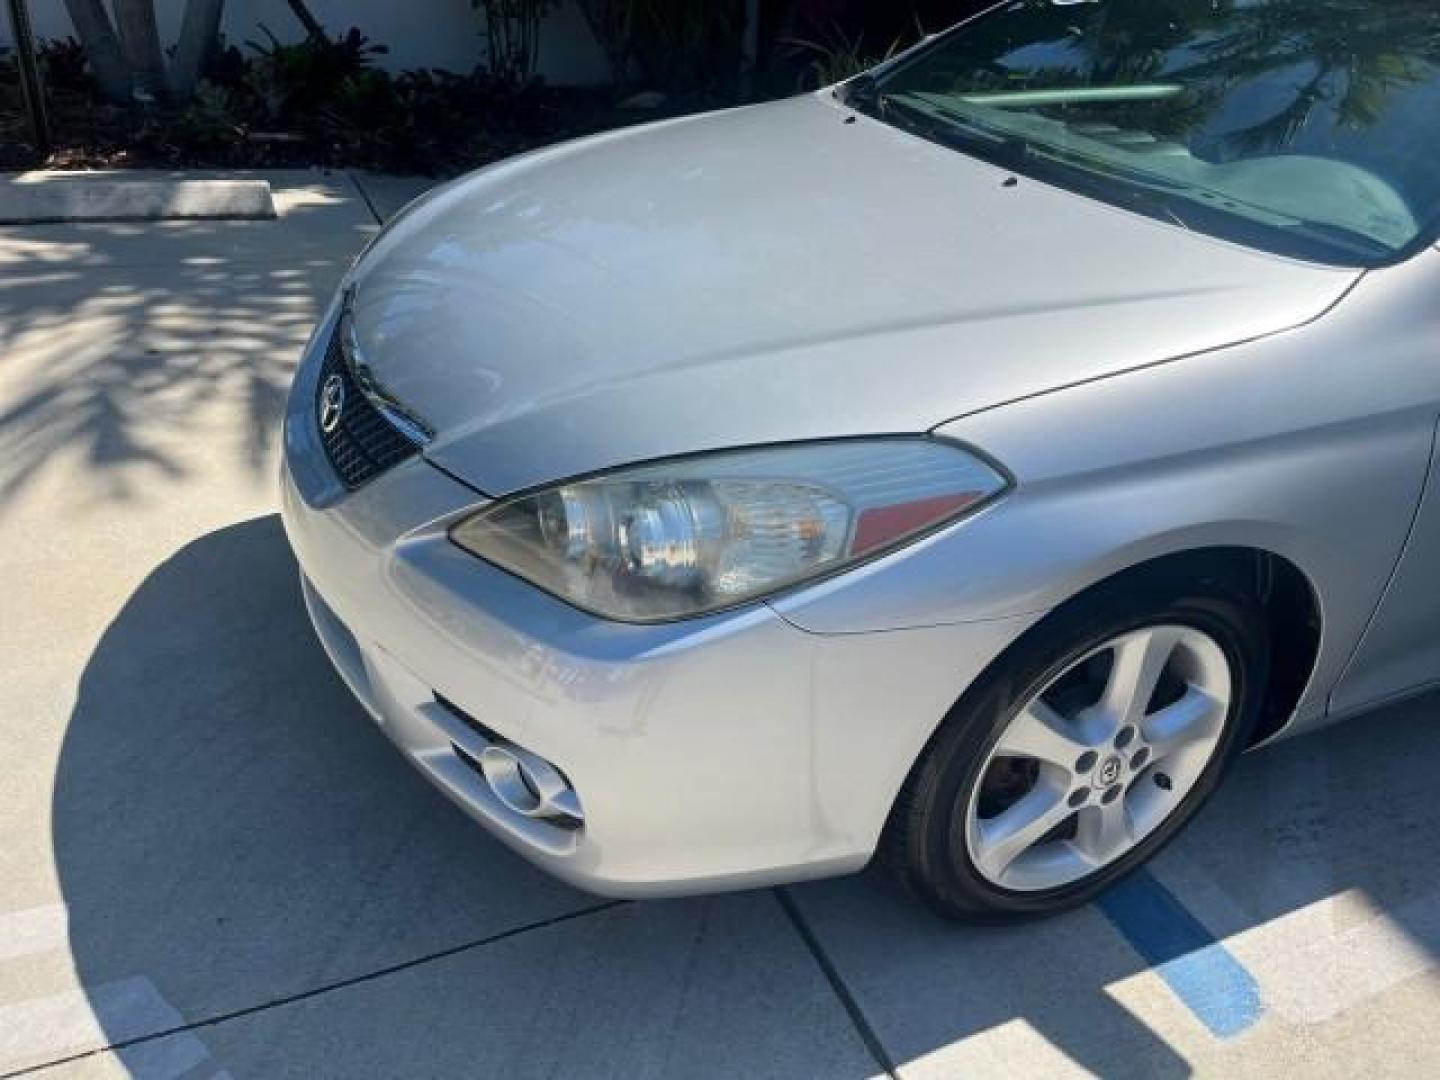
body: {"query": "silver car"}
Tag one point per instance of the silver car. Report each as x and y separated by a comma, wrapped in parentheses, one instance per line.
(961, 465)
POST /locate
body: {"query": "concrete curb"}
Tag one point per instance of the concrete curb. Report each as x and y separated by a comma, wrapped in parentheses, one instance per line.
(40, 198)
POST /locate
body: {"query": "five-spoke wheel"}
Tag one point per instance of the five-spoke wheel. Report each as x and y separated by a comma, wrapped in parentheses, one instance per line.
(1083, 750)
(1095, 762)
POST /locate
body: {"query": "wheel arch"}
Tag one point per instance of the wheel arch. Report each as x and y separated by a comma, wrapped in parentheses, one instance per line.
(1288, 596)
(1284, 599)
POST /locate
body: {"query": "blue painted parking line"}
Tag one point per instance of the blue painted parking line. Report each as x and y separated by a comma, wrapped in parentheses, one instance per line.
(1201, 971)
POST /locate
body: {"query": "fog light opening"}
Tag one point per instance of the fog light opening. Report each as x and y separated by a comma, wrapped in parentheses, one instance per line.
(529, 785)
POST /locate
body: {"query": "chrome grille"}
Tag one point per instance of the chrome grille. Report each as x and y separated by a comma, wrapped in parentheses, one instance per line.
(363, 444)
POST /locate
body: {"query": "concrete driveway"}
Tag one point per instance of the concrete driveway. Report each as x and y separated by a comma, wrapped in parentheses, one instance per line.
(211, 864)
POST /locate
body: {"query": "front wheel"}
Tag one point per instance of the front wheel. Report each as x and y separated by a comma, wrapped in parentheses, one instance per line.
(1082, 752)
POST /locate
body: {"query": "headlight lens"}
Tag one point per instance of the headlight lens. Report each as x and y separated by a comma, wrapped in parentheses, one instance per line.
(697, 534)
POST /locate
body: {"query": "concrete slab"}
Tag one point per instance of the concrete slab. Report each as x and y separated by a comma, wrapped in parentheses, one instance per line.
(1323, 859)
(947, 1000)
(33, 198)
(1316, 871)
(703, 988)
(186, 777)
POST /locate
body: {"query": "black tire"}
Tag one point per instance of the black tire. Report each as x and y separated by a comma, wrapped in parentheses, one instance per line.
(921, 843)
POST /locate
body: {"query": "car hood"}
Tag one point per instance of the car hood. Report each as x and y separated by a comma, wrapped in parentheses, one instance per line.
(780, 272)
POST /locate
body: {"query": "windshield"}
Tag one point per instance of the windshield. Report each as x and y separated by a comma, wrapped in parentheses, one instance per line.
(1310, 128)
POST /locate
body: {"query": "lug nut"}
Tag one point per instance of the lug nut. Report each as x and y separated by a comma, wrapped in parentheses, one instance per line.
(1079, 798)
(1141, 758)
(1087, 761)
(1112, 794)
(1124, 738)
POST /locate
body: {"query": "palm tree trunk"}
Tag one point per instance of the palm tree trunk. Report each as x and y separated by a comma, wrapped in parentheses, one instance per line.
(102, 47)
(140, 42)
(199, 30)
(749, 49)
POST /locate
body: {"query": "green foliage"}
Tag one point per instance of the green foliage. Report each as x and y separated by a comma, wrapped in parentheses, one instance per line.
(838, 57)
(323, 101)
(328, 98)
(315, 102)
(208, 122)
(692, 46)
(288, 81)
(512, 36)
(686, 48)
(63, 67)
(10, 100)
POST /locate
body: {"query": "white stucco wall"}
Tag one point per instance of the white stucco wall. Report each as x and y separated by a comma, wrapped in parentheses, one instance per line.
(419, 33)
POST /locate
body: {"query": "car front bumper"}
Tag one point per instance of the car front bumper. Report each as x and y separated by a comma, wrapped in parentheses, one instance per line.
(715, 753)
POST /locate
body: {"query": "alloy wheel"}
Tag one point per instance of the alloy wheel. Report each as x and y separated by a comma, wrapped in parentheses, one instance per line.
(1099, 759)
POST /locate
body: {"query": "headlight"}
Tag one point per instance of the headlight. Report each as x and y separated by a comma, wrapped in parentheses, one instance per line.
(693, 535)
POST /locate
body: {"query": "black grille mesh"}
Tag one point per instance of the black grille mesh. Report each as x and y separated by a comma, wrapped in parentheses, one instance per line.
(363, 444)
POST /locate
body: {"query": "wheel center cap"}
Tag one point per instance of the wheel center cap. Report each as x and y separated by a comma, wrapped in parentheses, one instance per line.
(1107, 774)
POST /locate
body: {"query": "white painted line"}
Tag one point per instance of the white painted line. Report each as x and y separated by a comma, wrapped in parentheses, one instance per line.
(33, 931)
(45, 1029)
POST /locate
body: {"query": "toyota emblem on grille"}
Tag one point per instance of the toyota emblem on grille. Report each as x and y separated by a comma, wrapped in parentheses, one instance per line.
(332, 403)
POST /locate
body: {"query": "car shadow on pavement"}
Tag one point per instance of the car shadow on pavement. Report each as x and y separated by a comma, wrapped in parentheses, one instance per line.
(232, 833)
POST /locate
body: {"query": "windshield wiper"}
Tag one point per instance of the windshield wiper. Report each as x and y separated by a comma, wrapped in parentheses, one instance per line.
(1173, 199)
(952, 129)
(1154, 193)
(1328, 232)
(1158, 201)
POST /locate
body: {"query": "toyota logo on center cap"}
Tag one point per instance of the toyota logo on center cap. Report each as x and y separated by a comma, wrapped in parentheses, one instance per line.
(1110, 771)
(332, 403)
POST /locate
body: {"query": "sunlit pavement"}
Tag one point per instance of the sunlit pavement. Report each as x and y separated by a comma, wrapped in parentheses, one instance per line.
(211, 864)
